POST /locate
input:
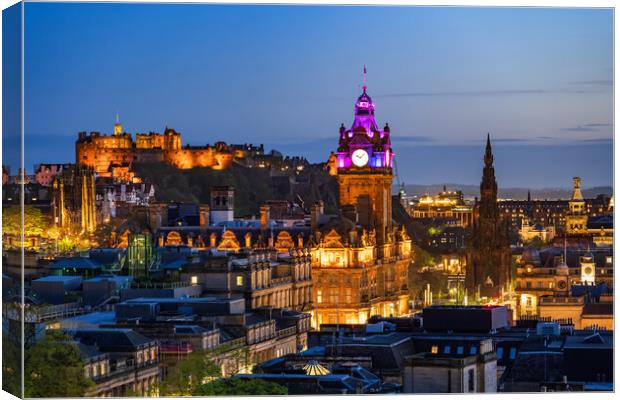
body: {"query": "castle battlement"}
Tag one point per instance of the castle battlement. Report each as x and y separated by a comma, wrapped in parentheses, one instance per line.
(102, 151)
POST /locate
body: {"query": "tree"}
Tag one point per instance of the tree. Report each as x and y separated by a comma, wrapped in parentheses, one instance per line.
(239, 387)
(54, 368)
(11, 366)
(422, 258)
(35, 222)
(188, 374)
(418, 281)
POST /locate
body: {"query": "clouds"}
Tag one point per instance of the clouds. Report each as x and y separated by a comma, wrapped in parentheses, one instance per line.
(413, 139)
(601, 82)
(587, 127)
(598, 140)
(466, 93)
(511, 140)
(490, 92)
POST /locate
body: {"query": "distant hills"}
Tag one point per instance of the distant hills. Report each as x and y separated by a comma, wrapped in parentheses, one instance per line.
(507, 193)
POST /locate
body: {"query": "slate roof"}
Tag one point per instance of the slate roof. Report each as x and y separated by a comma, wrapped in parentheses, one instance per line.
(112, 339)
(89, 352)
(548, 255)
(601, 221)
(598, 309)
(387, 351)
(540, 366)
(75, 262)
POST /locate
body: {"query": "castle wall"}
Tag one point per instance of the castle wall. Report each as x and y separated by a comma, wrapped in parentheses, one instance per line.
(198, 157)
(168, 141)
(100, 151)
(100, 157)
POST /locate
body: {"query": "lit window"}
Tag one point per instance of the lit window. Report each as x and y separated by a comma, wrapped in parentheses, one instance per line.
(194, 280)
(473, 350)
(446, 350)
(513, 353)
(500, 352)
(319, 296)
(434, 349)
(239, 281)
(459, 350)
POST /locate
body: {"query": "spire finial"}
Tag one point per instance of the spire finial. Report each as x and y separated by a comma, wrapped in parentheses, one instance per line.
(117, 119)
(364, 87)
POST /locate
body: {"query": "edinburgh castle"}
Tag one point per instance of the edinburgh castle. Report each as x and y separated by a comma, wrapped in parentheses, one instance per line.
(112, 155)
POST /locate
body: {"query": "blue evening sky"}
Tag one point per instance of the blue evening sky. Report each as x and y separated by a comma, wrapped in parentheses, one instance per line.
(539, 80)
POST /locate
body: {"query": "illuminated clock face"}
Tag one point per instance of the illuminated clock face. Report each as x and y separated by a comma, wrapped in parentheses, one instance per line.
(588, 270)
(360, 157)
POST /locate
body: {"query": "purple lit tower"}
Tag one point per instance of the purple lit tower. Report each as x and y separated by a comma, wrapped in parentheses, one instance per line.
(364, 145)
(363, 166)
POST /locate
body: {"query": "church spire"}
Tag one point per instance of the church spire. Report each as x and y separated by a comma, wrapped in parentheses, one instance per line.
(488, 154)
(488, 186)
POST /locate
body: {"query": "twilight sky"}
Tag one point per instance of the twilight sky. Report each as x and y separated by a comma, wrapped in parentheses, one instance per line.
(539, 80)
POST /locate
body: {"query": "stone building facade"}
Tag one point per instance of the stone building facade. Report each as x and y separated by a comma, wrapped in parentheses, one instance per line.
(264, 279)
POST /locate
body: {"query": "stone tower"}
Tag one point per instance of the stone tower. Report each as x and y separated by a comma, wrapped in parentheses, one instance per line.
(364, 168)
(576, 217)
(360, 260)
(488, 250)
(222, 206)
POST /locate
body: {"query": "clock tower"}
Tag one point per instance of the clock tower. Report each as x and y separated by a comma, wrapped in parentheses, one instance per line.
(363, 167)
(576, 217)
(588, 269)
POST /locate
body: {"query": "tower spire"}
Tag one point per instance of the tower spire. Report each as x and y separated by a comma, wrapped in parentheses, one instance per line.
(488, 154)
(364, 87)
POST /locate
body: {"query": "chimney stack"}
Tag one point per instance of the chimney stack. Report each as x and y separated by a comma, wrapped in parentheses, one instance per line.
(264, 217)
(316, 211)
(204, 216)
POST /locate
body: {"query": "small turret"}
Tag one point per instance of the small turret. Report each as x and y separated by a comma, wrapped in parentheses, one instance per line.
(118, 128)
(577, 189)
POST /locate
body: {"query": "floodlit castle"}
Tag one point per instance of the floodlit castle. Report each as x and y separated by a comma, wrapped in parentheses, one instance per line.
(112, 155)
